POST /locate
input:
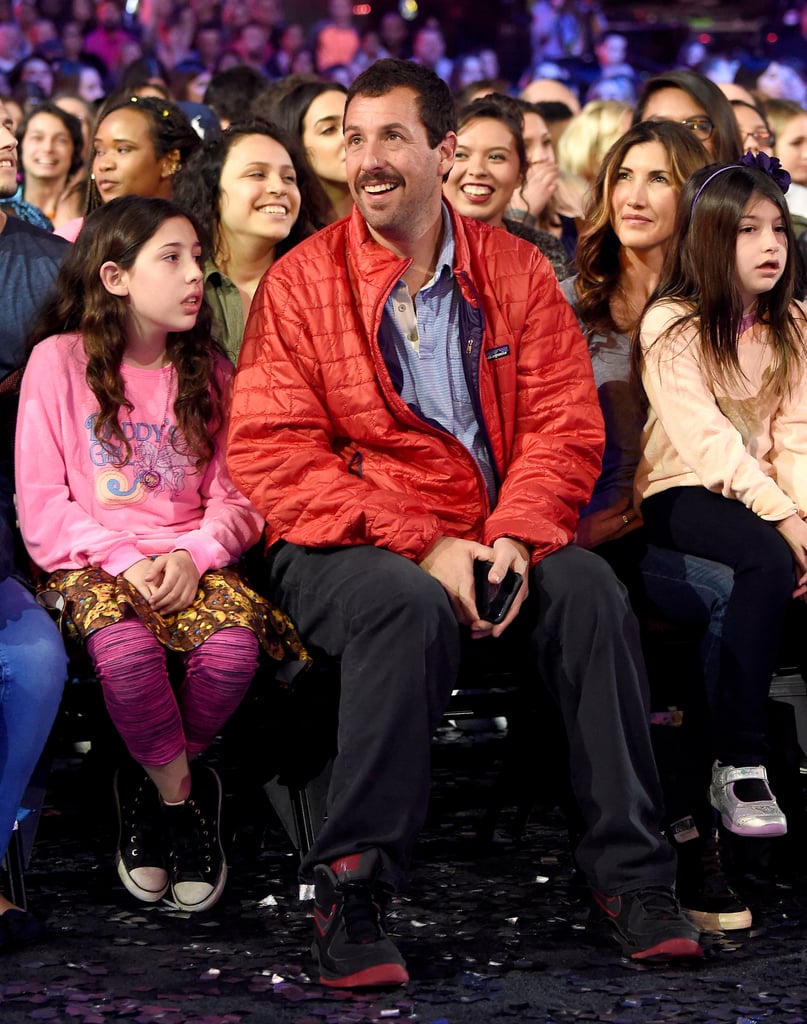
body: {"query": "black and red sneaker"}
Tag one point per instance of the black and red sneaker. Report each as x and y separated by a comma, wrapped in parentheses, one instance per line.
(350, 944)
(649, 924)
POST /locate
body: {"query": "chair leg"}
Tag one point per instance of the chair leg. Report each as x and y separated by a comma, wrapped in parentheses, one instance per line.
(300, 805)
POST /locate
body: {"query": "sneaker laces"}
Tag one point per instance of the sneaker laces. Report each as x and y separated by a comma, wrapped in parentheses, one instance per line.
(139, 817)
(190, 840)
(658, 902)
(714, 881)
(361, 913)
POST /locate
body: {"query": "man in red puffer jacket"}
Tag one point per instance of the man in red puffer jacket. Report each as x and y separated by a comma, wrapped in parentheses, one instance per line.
(414, 396)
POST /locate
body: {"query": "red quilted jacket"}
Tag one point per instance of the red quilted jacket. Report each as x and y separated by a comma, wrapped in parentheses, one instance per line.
(331, 455)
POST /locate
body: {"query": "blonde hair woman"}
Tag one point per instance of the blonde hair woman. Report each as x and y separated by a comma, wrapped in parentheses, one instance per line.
(585, 141)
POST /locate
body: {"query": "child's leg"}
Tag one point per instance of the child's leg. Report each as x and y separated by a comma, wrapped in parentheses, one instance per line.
(703, 523)
(217, 676)
(131, 666)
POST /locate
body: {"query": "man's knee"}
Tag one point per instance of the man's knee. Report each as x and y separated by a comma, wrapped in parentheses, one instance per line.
(398, 593)
(578, 575)
(359, 590)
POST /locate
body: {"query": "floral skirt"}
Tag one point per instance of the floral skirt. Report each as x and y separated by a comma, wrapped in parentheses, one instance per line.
(89, 599)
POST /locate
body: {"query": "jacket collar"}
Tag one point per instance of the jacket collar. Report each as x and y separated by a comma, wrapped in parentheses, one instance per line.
(377, 268)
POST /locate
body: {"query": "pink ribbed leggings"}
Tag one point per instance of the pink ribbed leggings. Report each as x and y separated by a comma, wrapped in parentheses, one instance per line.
(157, 724)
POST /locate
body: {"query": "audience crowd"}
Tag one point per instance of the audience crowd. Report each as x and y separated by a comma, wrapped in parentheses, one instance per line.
(236, 249)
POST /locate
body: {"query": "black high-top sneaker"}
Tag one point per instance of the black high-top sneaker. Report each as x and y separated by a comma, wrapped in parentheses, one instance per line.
(350, 944)
(197, 867)
(140, 857)
(704, 891)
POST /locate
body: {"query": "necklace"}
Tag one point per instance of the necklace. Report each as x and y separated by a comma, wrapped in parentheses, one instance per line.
(150, 477)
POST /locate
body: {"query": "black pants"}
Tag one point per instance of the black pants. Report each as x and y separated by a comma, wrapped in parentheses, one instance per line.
(392, 628)
(701, 522)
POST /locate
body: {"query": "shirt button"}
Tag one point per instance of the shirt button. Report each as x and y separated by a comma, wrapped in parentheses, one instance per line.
(402, 308)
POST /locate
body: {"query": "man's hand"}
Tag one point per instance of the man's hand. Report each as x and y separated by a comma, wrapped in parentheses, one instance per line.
(174, 581)
(450, 560)
(508, 554)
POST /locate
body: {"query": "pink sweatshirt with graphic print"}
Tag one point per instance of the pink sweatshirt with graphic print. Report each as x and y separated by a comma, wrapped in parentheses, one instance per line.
(77, 508)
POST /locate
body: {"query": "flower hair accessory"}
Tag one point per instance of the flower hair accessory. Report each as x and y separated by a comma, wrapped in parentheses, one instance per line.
(770, 165)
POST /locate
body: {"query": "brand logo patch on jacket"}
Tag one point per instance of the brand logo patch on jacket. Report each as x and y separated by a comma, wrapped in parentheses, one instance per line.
(497, 353)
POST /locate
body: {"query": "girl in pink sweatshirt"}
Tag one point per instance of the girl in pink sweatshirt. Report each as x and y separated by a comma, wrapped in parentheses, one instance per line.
(125, 500)
(724, 468)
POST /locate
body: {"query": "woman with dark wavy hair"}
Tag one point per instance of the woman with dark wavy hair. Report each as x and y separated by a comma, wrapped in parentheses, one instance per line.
(250, 190)
(125, 501)
(620, 255)
(50, 154)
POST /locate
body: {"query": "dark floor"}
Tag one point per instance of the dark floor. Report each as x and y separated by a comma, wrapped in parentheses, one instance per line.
(496, 933)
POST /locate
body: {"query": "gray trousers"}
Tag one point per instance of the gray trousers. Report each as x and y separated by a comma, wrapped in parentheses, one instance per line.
(392, 629)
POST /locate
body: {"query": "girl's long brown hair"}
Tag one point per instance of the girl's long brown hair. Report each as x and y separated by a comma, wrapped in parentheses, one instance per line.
(80, 303)
(699, 273)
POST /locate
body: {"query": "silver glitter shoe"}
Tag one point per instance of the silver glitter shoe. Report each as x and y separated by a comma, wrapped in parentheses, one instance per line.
(745, 818)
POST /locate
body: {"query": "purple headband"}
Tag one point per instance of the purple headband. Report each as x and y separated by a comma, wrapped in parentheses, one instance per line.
(769, 164)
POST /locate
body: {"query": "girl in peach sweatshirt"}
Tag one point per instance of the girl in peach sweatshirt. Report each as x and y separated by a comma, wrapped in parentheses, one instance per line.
(724, 468)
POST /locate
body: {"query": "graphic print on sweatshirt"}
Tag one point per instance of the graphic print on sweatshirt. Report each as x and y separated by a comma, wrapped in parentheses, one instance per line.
(155, 464)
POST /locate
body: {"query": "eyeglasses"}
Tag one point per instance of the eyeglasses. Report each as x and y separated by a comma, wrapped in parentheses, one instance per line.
(701, 126)
(762, 138)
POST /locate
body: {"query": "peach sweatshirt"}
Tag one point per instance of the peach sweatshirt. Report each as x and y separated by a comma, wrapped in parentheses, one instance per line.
(745, 443)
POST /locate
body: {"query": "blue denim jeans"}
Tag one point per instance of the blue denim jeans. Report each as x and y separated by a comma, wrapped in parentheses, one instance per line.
(694, 593)
(690, 591)
(33, 666)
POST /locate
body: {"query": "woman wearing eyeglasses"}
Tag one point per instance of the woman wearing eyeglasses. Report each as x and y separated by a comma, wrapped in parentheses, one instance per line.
(755, 131)
(697, 103)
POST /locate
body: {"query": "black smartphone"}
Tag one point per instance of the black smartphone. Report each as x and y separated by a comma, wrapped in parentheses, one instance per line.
(493, 600)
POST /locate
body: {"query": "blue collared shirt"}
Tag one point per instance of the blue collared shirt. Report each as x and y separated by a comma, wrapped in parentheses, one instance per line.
(425, 336)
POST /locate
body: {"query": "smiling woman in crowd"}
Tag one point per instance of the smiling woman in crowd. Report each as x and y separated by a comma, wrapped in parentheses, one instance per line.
(312, 113)
(249, 191)
(489, 166)
(51, 155)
